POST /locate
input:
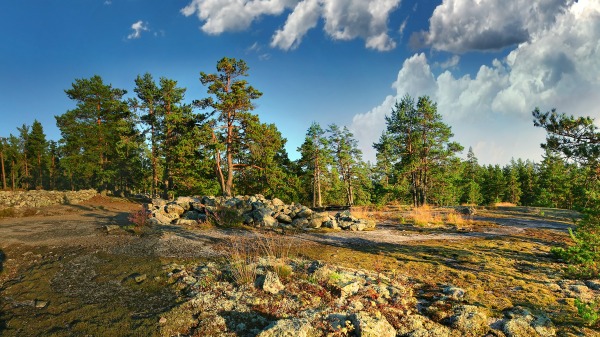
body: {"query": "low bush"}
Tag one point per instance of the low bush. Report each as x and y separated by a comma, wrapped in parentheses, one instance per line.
(583, 256)
(588, 312)
(7, 213)
(226, 217)
(139, 218)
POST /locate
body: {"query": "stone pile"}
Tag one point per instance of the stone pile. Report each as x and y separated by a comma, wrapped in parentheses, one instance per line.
(41, 198)
(256, 211)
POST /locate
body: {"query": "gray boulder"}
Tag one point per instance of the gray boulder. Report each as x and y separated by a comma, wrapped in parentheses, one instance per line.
(292, 327)
(370, 326)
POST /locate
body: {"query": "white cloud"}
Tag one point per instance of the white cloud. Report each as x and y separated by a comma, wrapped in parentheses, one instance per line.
(450, 63)
(233, 15)
(559, 67)
(463, 25)
(138, 28)
(344, 19)
(304, 17)
(349, 19)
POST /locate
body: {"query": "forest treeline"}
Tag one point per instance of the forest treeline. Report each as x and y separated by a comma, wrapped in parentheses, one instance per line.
(155, 143)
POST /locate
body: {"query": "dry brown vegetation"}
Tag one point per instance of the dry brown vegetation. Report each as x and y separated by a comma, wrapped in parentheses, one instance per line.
(499, 262)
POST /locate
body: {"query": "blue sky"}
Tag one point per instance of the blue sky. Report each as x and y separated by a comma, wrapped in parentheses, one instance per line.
(488, 64)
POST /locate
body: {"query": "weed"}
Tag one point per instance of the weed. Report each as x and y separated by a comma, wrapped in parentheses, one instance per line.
(424, 216)
(139, 218)
(242, 256)
(225, 217)
(455, 218)
(7, 213)
(588, 312)
(334, 277)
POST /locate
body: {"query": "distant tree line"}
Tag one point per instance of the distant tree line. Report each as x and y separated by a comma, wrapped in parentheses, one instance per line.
(155, 143)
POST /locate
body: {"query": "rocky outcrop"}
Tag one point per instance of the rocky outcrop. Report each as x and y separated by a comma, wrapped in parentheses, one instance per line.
(255, 211)
(41, 198)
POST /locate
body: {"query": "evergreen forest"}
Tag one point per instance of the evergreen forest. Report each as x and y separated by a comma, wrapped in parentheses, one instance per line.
(151, 142)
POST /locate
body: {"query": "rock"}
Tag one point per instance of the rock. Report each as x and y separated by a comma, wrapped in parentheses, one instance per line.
(470, 320)
(40, 304)
(305, 212)
(580, 291)
(283, 218)
(162, 320)
(185, 202)
(332, 223)
(454, 293)
(369, 326)
(271, 283)
(357, 226)
(521, 322)
(300, 222)
(111, 228)
(162, 218)
(593, 284)
(140, 278)
(317, 220)
(278, 202)
(174, 209)
(470, 211)
(186, 222)
(293, 327)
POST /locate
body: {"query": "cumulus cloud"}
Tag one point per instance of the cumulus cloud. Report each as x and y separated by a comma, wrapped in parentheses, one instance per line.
(459, 26)
(343, 19)
(559, 67)
(138, 28)
(233, 15)
(304, 17)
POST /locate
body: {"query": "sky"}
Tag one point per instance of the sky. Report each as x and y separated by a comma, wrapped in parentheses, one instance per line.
(487, 63)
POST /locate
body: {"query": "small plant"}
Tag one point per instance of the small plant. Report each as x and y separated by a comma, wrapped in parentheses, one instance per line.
(588, 312)
(242, 255)
(334, 277)
(139, 218)
(283, 271)
(424, 216)
(455, 218)
(226, 217)
(7, 213)
(584, 255)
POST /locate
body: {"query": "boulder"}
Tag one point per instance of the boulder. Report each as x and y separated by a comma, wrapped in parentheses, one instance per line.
(174, 209)
(454, 293)
(292, 327)
(271, 283)
(521, 322)
(470, 320)
(283, 218)
(317, 220)
(372, 326)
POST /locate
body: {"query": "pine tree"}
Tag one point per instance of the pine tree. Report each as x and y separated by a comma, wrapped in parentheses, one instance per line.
(315, 159)
(347, 156)
(231, 105)
(36, 148)
(420, 142)
(91, 131)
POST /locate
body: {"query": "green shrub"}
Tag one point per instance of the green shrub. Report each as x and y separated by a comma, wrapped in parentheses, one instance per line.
(587, 311)
(226, 217)
(7, 213)
(584, 255)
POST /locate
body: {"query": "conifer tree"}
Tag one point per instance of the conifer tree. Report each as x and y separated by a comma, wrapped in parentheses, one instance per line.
(421, 143)
(315, 158)
(231, 103)
(36, 148)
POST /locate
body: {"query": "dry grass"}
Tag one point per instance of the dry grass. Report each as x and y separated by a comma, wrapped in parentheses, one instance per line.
(504, 204)
(242, 255)
(425, 216)
(455, 218)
